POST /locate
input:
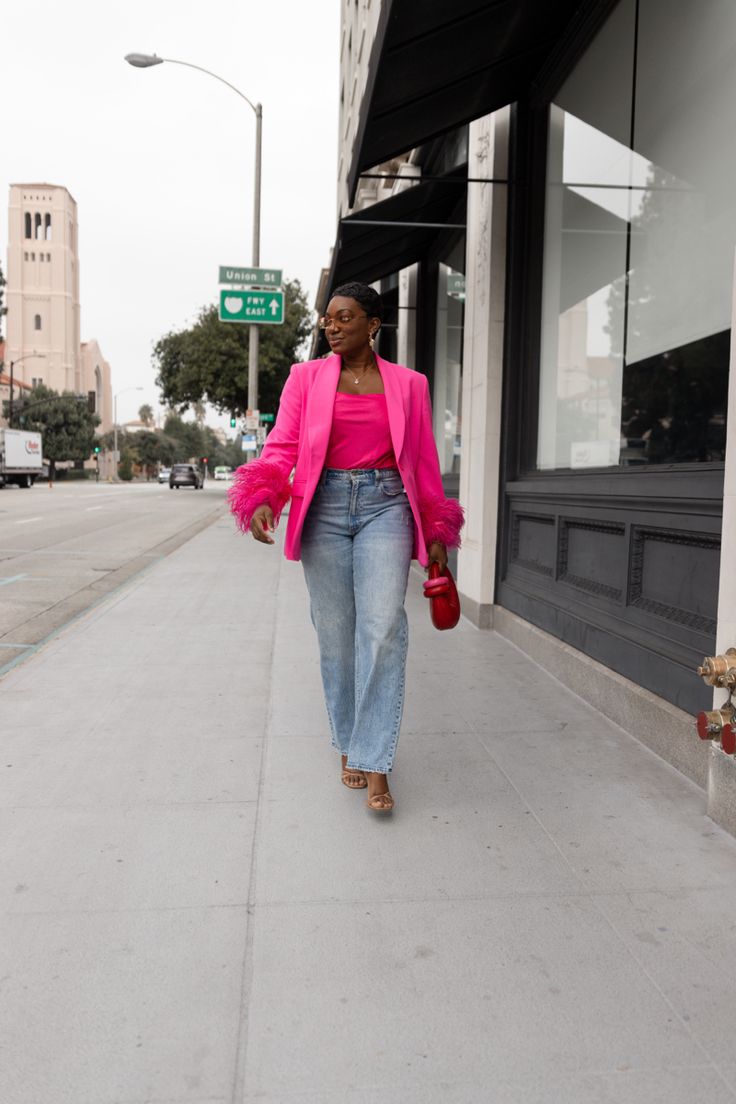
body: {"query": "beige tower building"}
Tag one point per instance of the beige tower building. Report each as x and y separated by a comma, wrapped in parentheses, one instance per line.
(42, 297)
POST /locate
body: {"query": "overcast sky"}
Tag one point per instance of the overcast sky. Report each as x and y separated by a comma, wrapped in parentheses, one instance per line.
(160, 161)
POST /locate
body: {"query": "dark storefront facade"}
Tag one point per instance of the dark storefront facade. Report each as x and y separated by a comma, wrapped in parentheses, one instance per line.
(621, 258)
(618, 192)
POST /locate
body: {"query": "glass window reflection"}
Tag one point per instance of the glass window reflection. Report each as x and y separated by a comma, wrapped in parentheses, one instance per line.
(448, 366)
(640, 227)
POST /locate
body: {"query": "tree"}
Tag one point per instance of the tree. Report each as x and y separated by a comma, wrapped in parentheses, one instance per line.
(189, 438)
(148, 447)
(65, 423)
(125, 468)
(209, 361)
(145, 413)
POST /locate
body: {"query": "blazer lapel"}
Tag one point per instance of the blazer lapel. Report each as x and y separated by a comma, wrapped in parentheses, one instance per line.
(394, 405)
(321, 403)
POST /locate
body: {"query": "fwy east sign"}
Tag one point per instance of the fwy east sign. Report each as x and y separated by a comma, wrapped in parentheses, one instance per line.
(259, 307)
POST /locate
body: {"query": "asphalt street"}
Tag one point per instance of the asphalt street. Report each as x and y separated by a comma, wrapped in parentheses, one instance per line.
(63, 547)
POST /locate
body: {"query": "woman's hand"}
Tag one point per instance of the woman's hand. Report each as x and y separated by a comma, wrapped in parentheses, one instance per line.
(261, 523)
(437, 553)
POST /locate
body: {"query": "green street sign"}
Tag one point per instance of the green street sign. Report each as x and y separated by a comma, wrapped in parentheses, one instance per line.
(255, 277)
(259, 307)
(456, 285)
(267, 417)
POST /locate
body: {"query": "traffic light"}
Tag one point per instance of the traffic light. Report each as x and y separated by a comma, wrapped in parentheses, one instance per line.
(233, 421)
(96, 449)
(204, 459)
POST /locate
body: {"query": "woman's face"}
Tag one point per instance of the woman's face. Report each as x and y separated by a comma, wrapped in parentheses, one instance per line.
(348, 327)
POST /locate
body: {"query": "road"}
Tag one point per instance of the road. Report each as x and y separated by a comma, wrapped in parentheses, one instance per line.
(64, 547)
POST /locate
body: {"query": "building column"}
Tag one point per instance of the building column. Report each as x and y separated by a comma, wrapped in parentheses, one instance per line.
(483, 343)
(406, 338)
(722, 767)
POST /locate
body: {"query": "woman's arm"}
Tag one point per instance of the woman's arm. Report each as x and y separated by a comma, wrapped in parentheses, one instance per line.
(442, 518)
(265, 482)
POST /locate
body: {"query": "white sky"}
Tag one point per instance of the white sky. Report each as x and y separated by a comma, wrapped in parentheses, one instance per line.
(160, 161)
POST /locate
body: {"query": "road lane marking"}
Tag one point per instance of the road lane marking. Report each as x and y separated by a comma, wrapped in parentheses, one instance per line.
(88, 508)
(17, 645)
(8, 579)
(25, 521)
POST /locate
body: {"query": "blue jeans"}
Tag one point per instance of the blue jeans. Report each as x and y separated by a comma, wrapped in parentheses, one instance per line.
(356, 550)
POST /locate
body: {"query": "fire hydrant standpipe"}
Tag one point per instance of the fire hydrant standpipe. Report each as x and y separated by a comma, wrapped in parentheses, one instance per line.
(720, 724)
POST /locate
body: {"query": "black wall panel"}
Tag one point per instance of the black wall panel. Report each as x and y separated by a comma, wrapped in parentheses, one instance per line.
(629, 577)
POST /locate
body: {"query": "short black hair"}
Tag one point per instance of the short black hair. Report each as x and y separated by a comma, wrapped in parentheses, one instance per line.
(367, 296)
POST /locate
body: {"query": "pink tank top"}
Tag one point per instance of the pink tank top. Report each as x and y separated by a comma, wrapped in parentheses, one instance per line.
(360, 436)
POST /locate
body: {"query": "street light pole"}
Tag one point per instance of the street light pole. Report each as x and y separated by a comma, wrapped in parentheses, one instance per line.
(146, 61)
(26, 356)
(253, 331)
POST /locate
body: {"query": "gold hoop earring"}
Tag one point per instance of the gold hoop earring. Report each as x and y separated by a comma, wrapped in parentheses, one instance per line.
(371, 340)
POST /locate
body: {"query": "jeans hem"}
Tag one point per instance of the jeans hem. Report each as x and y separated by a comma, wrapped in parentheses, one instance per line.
(371, 770)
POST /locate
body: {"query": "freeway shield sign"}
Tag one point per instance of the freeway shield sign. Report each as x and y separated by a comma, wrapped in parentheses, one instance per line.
(259, 307)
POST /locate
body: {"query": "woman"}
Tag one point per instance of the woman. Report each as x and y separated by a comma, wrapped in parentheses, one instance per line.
(366, 496)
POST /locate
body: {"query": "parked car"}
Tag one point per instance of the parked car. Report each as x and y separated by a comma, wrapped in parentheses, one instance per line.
(186, 475)
(164, 475)
(222, 472)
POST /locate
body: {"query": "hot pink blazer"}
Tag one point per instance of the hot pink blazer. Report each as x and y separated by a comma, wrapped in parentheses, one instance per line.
(299, 441)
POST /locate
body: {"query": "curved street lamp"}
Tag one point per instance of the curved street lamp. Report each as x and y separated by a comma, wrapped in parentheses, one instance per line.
(26, 356)
(146, 61)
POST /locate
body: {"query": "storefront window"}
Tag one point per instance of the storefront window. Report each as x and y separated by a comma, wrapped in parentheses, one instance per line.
(449, 360)
(386, 345)
(640, 228)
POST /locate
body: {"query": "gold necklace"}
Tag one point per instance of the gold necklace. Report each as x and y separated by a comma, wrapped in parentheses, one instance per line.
(357, 381)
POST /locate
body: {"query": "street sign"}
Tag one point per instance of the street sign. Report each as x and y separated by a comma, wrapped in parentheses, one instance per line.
(261, 435)
(456, 285)
(251, 420)
(249, 443)
(267, 417)
(259, 307)
(251, 277)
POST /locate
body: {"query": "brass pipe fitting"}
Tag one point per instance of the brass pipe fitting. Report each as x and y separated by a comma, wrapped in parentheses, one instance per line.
(711, 723)
(719, 725)
(720, 670)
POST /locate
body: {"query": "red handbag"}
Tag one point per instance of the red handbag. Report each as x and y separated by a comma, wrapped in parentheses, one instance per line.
(444, 603)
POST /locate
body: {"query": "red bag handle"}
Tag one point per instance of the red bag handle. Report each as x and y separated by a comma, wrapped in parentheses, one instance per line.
(444, 603)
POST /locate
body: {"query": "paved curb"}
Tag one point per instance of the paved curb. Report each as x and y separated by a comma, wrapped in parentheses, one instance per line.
(40, 630)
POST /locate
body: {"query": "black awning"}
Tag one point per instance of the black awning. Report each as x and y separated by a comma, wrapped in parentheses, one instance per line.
(388, 236)
(436, 65)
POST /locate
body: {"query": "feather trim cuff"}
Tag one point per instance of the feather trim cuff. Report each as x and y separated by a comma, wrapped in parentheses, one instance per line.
(442, 520)
(255, 483)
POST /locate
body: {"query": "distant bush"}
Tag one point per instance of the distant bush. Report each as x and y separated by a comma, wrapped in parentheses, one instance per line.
(125, 468)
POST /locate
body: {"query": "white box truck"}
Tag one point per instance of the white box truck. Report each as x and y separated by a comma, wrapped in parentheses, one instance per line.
(21, 457)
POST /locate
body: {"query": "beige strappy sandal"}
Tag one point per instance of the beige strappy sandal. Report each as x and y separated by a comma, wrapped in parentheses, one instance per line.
(354, 779)
(380, 803)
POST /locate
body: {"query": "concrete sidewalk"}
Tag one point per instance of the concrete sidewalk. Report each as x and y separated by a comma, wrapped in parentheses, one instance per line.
(195, 910)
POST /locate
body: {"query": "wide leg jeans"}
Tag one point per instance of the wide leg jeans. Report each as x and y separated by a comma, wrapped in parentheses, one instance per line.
(356, 550)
